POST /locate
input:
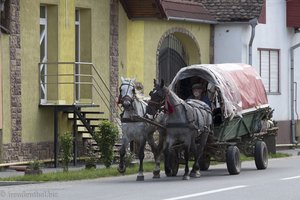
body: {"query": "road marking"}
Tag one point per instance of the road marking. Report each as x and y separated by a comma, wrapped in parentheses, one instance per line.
(207, 192)
(290, 178)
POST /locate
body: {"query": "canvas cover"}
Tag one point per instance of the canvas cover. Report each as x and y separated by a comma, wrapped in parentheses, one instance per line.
(240, 85)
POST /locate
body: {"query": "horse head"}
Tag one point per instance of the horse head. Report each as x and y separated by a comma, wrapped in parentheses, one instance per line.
(127, 93)
(157, 98)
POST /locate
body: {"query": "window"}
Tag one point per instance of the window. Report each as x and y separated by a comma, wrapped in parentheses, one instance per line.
(269, 69)
(43, 53)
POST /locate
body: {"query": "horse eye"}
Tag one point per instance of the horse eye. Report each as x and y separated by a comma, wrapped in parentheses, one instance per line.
(150, 93)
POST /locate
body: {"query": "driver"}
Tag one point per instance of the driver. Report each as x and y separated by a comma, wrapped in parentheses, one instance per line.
(199, 93)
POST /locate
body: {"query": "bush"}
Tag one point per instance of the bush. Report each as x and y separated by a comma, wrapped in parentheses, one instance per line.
(106, 137)
(66, 141)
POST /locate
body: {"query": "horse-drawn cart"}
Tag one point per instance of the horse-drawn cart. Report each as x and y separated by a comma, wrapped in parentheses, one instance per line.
(240, 112)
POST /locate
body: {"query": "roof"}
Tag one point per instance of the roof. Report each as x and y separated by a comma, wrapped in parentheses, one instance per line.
(234, 10)
(240, 85)
(186, 10)
(143, 9)
(205, 11)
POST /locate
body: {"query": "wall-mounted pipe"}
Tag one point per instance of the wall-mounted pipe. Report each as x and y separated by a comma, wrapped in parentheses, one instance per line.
(253, 24)
(293, 123)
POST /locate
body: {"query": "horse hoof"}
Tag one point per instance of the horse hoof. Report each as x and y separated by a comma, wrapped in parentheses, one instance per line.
(156, 173)
(186, 178)
(195, 174)
(156, 176)
(121, 170)
(140, 178)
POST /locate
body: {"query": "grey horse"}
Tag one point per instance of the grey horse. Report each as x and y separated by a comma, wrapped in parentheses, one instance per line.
(188, 123)
(135, 130)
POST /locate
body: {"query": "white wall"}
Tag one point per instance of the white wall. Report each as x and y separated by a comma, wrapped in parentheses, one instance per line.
(275, 34)
(231, 45)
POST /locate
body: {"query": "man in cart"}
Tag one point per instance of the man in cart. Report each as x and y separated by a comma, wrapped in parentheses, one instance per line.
(199, 93)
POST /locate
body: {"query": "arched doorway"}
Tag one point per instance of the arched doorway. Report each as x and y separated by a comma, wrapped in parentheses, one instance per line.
(172, 57)
(177, 48)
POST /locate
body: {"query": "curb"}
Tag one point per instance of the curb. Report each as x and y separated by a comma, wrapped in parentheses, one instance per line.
(9, 183)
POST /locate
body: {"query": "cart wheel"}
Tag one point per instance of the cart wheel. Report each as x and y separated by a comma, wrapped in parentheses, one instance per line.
(174, 162)
(261, 155)
(204, 162)
(233, 160)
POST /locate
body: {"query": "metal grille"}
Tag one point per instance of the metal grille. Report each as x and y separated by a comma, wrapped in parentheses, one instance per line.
(172, 57)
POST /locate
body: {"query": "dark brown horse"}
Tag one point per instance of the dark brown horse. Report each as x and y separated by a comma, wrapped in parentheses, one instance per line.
(188, 123)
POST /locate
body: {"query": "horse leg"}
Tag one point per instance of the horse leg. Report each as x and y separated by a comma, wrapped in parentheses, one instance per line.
(199, 152)
(195, 173)
(167, 150)
(122, 152)
(155, 151)
(140, 176)
(186, 157)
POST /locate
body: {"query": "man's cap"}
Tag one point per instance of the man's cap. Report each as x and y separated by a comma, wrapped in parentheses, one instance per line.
(198, 86)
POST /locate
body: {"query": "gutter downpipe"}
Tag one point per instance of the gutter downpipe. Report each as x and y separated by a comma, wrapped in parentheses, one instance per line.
(293, 123)
(253, 24)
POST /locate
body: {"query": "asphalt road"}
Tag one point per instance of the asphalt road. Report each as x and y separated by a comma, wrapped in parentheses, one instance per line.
(280, 181)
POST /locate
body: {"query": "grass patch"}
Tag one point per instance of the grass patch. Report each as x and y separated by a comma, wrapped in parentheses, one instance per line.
(79, 174)
(278, 155)
(104, 172)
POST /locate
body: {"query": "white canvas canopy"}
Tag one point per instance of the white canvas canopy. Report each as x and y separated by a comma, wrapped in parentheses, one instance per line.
(239, 85)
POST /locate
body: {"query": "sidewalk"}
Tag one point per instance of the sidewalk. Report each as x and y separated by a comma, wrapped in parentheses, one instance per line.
(291, 152)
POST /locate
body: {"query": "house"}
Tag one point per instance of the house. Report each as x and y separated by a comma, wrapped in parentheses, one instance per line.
(266, 43)
(61, 61)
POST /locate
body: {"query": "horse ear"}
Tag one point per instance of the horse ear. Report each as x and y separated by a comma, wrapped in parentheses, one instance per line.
(162, 83)
(154, 82)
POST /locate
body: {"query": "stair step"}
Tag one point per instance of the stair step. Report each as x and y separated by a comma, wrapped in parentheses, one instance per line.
(82, 125)
(92, 112)
(86, 135)
(70, 115)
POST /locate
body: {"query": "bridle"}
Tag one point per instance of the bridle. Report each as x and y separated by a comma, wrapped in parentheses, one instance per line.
(127, 97)
(158, 106)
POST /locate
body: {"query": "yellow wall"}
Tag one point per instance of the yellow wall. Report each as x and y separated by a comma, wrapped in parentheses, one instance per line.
(66, 49)
(37, 122)
(122, 42)
(135, 51)
(138, 43)
(142, 43)
(5, 99)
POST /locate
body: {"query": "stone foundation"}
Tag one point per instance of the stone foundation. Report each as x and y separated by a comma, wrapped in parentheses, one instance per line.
(19, 152)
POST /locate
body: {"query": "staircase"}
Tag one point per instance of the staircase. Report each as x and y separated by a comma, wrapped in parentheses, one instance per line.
(92, 118)
(83, 113)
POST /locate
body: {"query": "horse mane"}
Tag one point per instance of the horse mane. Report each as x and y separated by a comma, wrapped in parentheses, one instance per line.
(174, 95)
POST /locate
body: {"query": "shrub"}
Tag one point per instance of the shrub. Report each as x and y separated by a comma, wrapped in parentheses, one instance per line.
(35, 165)
(66, 140)
(106, 137)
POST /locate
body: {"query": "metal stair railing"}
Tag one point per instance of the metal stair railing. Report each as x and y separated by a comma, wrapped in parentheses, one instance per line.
(53, 77)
